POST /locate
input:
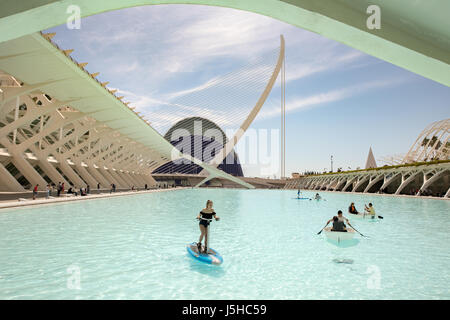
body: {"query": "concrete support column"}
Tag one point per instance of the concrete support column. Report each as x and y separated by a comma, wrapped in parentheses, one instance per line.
(140, 179)
(51, 172)
(68, 171)
(8, 182)
(150, 180)
(27, 170)
(125, 178)
(115, 175)
(109, 177)
(133, 178)
(86, 176)
(98, 177)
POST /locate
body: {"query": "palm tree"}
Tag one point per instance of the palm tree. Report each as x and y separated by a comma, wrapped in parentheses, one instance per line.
(425, 142)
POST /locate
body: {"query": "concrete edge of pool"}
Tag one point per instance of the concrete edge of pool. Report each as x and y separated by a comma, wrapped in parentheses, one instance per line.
(55, 200)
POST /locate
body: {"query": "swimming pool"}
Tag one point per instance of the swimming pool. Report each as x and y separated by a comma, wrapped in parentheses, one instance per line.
(133, 247)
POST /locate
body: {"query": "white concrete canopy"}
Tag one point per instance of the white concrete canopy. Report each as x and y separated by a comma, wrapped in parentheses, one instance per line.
(414, 35)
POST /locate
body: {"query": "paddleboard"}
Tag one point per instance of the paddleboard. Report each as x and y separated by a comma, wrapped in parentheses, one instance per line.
(212, 257)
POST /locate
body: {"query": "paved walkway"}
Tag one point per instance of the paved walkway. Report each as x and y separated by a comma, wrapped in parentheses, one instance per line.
(65, 198)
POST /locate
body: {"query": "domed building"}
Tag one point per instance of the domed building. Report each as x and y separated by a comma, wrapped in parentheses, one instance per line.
(202, 139)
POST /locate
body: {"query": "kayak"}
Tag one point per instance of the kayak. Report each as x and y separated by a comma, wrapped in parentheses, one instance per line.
(360, 215)
(339, 236)
(212, 257)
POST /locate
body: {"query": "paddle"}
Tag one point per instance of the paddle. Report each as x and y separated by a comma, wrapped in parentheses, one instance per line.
(323, 228)
(355, 229)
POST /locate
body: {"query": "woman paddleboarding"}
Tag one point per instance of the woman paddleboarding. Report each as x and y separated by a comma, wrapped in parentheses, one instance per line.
(205, 216)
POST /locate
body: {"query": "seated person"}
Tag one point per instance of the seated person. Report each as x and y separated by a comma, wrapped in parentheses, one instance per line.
(338, 225)
(317, 197)
(352, 209)
(341, 217)
(71, 191)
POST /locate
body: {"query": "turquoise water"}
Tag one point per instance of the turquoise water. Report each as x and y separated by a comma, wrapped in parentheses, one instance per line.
(133, 247)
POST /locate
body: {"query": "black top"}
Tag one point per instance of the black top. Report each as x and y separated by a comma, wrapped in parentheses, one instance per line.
(208, 216)
(352, 211)
(338, 226)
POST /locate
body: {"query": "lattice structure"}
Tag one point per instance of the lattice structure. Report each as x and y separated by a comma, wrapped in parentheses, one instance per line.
(432, 144)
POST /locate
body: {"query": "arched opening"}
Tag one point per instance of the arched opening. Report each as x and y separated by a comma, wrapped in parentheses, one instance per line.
(413, 187)
(363, 185)
(350, 186)
(392, 184)
(340, 185)
(439, 187)
(375, 187)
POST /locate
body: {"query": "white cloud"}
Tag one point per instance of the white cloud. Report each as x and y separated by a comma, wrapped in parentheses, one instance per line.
(298, 103)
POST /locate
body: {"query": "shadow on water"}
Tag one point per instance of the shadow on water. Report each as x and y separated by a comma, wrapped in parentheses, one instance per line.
(342, 260)
(205, 268)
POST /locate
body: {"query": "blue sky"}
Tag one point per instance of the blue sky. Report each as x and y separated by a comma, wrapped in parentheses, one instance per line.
(339, 101)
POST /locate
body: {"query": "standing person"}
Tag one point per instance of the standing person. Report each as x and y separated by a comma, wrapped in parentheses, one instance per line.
(35, 190)
(205, 216)
(88, 189)
(48, 190)
(98, 186)
(112, 188)
(145, 186)
(58, 189)
(62, 188)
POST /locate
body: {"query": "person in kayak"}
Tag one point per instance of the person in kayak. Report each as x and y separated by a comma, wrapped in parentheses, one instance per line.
(317, 197)
(205, 216)
(352, 209)
(370, 210)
